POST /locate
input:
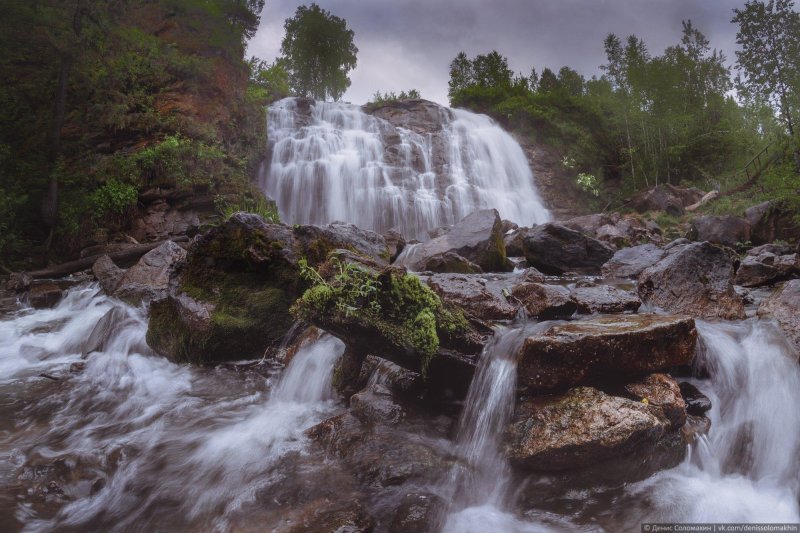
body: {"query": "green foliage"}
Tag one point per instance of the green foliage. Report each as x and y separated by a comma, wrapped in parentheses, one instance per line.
(648, 120)
(390, 97)
(319, 52)
(769, 59)
(397, 305)
(112, 199)
(146, 94)
(268, 81)
(258, 206)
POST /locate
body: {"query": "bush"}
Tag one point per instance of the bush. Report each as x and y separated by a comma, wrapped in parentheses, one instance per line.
(258, 206)
(112, 200)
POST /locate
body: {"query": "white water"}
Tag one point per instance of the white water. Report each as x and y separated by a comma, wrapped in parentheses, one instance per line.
(478, 488)
(335, 167)
(748, 468)
(174, 446)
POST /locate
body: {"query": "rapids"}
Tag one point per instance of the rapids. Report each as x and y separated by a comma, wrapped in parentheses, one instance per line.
(120, 439)
(335, 162)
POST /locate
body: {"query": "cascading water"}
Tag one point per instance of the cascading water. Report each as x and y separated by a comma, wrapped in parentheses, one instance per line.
(134, 442)
(748, 468)
(477, 488)
(334, 162)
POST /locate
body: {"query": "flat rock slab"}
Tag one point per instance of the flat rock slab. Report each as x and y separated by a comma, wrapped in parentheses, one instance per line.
(580, 428)
(607, 346)
(472, 294)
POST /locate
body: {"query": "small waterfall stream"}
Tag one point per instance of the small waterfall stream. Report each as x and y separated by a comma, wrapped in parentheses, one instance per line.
(334, 162)
(146, 444)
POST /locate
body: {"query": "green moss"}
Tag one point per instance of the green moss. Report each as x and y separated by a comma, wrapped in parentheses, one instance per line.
(396, 305)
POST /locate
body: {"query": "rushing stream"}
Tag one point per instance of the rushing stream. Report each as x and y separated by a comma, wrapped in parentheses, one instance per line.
(335, 162)
(145, 444)
(120, 439)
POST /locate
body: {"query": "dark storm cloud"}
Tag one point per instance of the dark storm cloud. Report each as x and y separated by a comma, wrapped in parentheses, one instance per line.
(407, 44)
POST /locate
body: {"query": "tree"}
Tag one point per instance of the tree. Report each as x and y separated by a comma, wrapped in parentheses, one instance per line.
(461, 75)
(769, 59)
(319, 52)
(491, 70)
(548, 82)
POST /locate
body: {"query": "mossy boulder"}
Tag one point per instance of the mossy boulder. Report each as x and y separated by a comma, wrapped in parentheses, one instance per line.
(389, 312)
(234, 291)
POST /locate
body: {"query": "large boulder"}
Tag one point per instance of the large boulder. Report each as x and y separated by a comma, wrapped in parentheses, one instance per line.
(695, 279)
(554, 249)
(772, 220)
(767, 268)
(149, 279)
(784, 306)
(472, 294)
(232, 296)
(478, 238)
(658, 199)
(390, 312)
(630, 262)
(728, 230)
(604, 299)
(604, 348)
(580, 428)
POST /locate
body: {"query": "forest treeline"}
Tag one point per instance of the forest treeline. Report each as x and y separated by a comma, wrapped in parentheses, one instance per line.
(689, 116)
(104, 99)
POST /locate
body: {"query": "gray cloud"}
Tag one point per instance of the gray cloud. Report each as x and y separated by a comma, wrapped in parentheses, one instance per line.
(407, 44)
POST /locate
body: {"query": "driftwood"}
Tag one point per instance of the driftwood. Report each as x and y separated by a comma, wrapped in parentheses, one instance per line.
(712, 195)
(129, 254)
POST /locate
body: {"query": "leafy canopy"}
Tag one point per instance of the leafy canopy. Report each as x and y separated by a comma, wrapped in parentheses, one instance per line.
(319, 52)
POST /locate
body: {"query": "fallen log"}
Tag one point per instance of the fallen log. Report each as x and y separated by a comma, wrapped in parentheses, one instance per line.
(709, 196)
(129, 254)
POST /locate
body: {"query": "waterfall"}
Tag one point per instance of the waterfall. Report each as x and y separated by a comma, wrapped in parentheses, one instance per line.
(477, 487)
(334, 162)
(746, 469)
(147, 444)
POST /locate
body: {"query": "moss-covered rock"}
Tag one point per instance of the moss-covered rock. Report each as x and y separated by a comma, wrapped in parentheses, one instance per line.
(390, 312)
(233, 294)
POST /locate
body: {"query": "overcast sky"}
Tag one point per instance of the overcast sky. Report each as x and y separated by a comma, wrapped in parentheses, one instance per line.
(406, 44)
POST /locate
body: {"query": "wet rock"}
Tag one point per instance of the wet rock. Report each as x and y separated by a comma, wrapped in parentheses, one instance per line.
(604, 299)
(580, 428)
(604, 348)
(18, 281)
(783, 305)
(107, 273)
(545, 301)
(514, 242)
(767, 268)
(103, 331)
(182, 329)
(630, 262)
(44, 294)
(509, 226)
(448, 262)
(327, 516)
(478, 238)
(695, 279)
(554, 249)
(728, 230)
(697, 403)
(695, 426)
(660, 390)
(376, 405)
(319, 241)
(347, 373)
(418, 512)
(772, 220)
(149, 279)
(471, 294)
(395, 243)
(380, 456)
(397, 379)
